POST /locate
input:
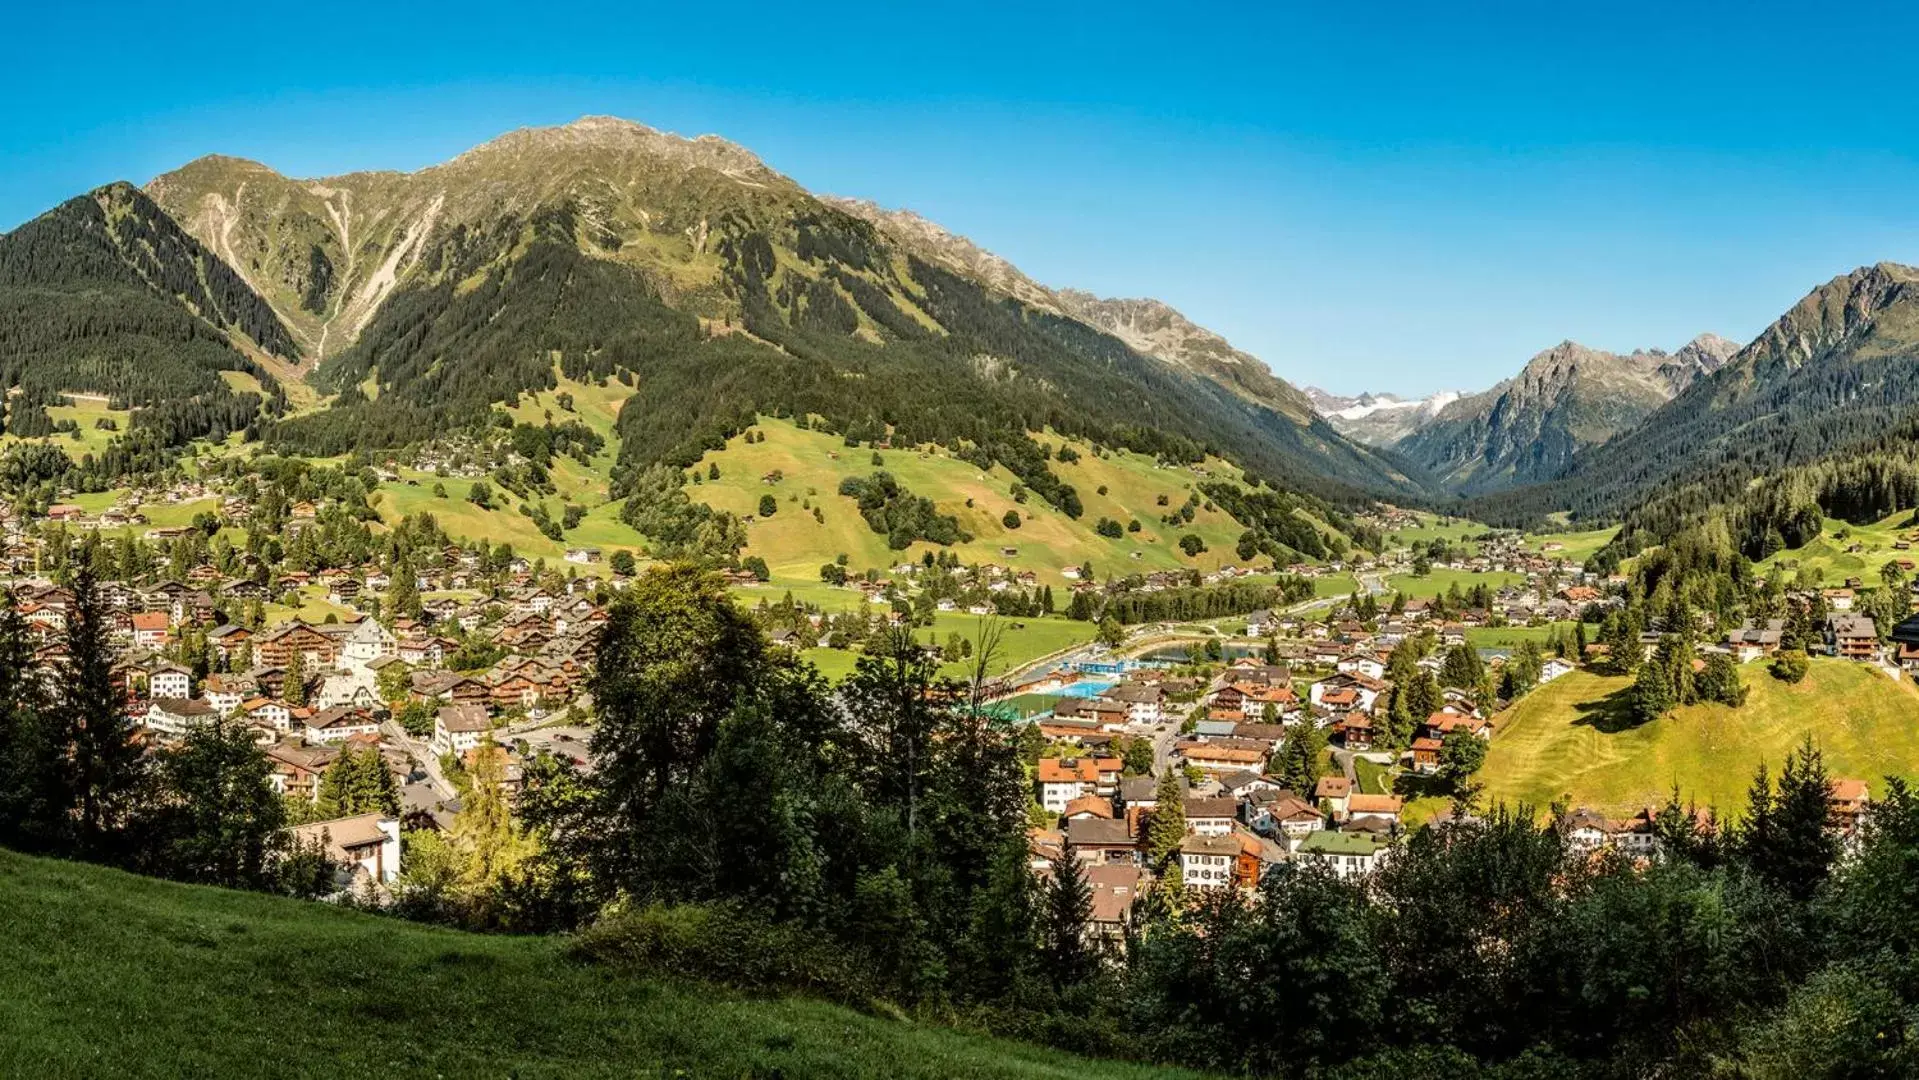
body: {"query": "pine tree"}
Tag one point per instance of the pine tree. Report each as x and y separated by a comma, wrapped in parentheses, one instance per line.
(293, 685)
(221, 822)
(403, 592)
(32, 766)
(1784, 838)
(107, 765)
(1300, 759)
(1069, 907)
(1166, 824)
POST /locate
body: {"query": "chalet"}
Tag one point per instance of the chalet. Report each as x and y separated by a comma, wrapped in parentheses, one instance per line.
(1115, 889)
(1750, 641)
(366, 847)
(226, 692)
(1103, 841)
(1838, 599)
(1848, 805)
(1143, 703)
(339, 723)
(1853, 637)
(174, 717)
(459, 728)
(169, 681)
(1061, 780)
(277, 646)
(1210, 817)
(268, 713)
(1333, 793)
(1585, 831)
(1346, 854)
(585, 556)
(1207, 861)
(151, 629)
(297, 768)
(1385, 807)
(227, 640)
(1425, 753)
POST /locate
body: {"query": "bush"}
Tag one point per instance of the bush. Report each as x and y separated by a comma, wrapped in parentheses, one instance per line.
(1790, 665)
(1109, 528)
(1011, 520)
(1192, 545)
(730, 945)
(768, 506)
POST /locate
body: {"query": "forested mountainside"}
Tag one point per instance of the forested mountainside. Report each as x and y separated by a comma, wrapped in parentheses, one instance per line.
(1566, 399)
(1835, 369)
(719, 289)
(105, 294)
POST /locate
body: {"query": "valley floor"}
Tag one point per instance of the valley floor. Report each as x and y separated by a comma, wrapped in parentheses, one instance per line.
(107, 974)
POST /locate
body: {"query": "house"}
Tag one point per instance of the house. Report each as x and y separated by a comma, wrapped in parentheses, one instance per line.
(1853, 637)
(1260, 623)
(1751, 641)
(169, 681)
(1362, 664)
(459, 728)
(585, 556)
(151, 629)
(174, 717)
(1114, 888)
(1334, 793)
(1346, 854)
(1061, 780)
(268, 713)
(1103, 841)
(226, 692)
(297, 768)
(1282, 814)
(339, 723)
(1426, 755)
(1838, 599)
(1385, 807)
(228, 638)
(367, 847)
(1585, 831)
(1848, 805)
(1144, 703)
(1553, 669)
(1210, 817)
(1207, 861)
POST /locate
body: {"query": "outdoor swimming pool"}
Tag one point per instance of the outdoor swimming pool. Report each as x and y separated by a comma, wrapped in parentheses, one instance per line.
(1087, 688)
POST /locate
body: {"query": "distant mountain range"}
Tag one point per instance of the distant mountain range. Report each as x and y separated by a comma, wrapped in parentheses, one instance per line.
(1379, 419)
(1566, 399)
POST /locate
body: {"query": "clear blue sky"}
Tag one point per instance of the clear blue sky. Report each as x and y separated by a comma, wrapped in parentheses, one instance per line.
(1390, 197)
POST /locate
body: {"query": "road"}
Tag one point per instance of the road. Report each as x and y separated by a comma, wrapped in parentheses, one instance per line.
(423, 754)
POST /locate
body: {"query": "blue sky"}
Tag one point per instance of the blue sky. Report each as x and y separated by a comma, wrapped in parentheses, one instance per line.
(1405, 197)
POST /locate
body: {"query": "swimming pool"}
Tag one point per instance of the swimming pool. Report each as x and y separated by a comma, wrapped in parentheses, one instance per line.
(1087, 688)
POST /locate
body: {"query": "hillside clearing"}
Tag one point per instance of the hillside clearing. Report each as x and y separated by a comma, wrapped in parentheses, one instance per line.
(107, 974)
(1569, 740)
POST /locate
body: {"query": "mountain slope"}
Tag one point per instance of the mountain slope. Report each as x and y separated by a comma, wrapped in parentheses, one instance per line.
(1836, 368)
(1378, 420)
(1569, 397)
(721, 289)
(321, 991)
(105, 294)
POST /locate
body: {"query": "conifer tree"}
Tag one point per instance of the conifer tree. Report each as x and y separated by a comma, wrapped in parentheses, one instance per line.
(107, 765)
(1069, 907)
(1166, 823)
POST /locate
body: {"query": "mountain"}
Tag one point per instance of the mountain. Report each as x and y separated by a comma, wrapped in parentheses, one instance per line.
(106, 295)
(1378, 419)
(1840, 366)
(1527, 429)
(719, 289)
(1150, 327)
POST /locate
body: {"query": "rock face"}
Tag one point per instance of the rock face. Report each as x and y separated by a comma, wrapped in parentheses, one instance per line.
(1568, 398)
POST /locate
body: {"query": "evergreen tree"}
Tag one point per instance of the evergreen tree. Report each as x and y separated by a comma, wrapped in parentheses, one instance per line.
(1166, 823)
(1784, 839)
(221, 822)
(403, 592)
(108, 766)
(1069, 908)
(32, 766)
(1652, 693)
(1301, 759)
(358, 782)
(293, 685)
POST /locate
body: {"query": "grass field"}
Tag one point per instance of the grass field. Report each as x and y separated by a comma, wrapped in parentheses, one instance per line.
(1575, 547)
(811, 465)
(1440, 581)
(1509, 637)
(1373, 779)
(1830, 558)
(1570, 739)
(1335, 585)
(1432, 527)
(106, 974)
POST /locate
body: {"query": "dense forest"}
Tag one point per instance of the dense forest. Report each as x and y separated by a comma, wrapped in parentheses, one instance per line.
(106, 295)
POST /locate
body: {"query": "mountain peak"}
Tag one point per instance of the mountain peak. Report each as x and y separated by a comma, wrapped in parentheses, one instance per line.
(620, 135)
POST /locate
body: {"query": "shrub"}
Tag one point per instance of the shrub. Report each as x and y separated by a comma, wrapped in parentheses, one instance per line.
(1790, 665)
(1011, 520)
(730, 945)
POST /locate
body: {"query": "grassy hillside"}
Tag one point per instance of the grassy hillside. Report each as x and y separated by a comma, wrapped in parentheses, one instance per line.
(106, 974)
(1571, 739)
(812, 464)
(1845, 551)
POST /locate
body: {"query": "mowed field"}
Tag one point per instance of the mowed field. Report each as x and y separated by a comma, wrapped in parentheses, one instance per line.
(1571, 739)
(107, 974)
(1440, 581)
(1831, 558)
(811, 466)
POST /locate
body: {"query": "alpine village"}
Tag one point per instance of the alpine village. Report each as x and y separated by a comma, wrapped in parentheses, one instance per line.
(599, 593)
